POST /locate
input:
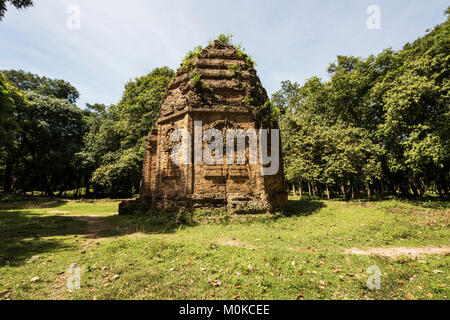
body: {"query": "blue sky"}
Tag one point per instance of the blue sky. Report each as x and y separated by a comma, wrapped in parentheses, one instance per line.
(119, 40)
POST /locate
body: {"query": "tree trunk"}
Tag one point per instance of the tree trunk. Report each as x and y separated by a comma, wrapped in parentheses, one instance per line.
(414, 190)
(77, 188)
(438, 186)
(328, 191)
(369, 195)
(293, 190)
(309, 188)
(300, 190)
(8, 177)
(357, 191)
(421, 187)
(313, 188)
(88, 191)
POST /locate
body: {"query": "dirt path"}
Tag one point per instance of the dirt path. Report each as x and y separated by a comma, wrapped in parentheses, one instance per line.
(400, 251)
(96, 225)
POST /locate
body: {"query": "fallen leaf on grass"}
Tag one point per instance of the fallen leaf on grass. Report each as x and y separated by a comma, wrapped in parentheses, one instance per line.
(350, 275)
(409, 296)
(215, 283)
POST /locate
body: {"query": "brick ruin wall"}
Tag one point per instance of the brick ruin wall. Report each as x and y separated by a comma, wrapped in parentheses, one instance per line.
(225, 100)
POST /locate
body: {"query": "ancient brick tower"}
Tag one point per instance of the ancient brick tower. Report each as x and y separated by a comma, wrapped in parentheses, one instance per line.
(219, 87)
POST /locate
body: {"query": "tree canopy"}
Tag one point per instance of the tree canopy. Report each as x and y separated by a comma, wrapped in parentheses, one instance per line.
(381, 121)
(19, 4)
(114, 144)
(27, 81)
(379, 125)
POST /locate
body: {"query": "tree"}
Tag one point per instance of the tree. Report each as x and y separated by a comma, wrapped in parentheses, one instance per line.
(51, 133)
(12, 103)
(49, 87)
(114, 145)
(9, 98)
(379, 122)
(139, 107)
(417, 112)
(19, 4)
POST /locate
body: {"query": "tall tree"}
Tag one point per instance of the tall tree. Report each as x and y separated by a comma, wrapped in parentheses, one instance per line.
(379, 122)
(12, 103)
(51, 134)
(114, 145)
(27, 81)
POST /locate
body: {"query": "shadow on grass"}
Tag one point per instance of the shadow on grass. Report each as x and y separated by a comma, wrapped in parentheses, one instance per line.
(24, 235)
(303, 207)
(149, 223)
(159, 222)
(32, 203)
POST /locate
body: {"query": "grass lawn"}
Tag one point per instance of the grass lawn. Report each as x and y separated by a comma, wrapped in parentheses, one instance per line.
(301, 254)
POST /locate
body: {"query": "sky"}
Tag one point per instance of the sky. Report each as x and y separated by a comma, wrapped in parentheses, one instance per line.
(114, 41)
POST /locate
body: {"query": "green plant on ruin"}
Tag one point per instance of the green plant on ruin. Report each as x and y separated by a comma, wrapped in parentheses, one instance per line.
(250, 62)
(206, 87)
(188, 61)
(235, 68)
(237, 75)
(225, 38)
(240, 51)
(272, 112)
(247, 100)
(196, 81)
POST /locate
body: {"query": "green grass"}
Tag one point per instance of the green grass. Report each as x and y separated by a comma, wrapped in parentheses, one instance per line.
(297, 254)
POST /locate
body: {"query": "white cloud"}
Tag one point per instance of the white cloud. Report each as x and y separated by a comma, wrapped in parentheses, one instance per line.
(119, 40)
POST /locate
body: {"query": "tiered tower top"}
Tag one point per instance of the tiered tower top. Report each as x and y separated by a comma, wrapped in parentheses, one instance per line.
(218, 78)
